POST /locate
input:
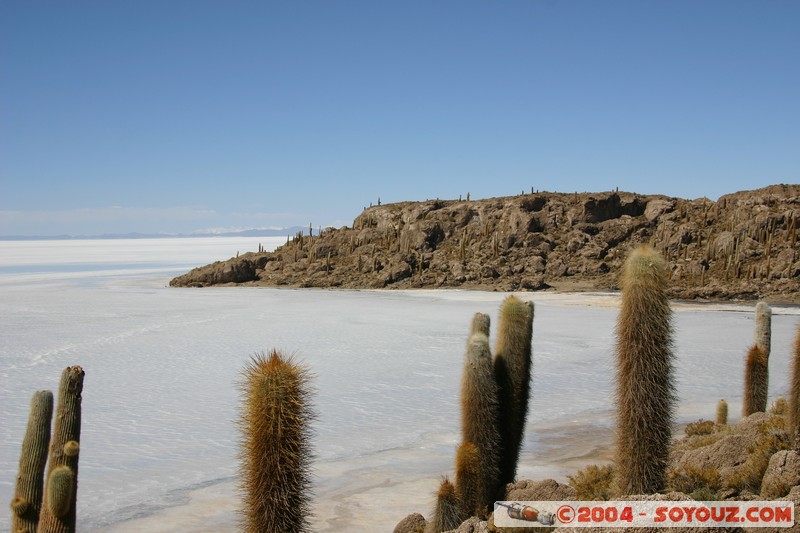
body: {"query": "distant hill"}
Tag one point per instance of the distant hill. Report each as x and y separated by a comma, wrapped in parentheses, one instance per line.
(281, 232)
(744, 245)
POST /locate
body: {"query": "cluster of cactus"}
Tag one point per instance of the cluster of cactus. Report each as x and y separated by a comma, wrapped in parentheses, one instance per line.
(494, 405)
(275, 447)
(46, 503)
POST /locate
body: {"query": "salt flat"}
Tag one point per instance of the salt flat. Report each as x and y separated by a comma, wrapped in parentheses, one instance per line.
(162, 370)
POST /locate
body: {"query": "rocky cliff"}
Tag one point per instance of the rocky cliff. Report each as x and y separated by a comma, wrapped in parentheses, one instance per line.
(744, 245)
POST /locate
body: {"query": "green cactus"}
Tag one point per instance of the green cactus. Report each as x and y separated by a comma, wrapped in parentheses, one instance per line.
(512, 367)
(446, 513)
(722, 412)
(479, 417)
(67, 427)
(645, 392)
(32, 461)
(756, 381)
(793, 421)
(276, 449)
(763, 332)
(60, 491)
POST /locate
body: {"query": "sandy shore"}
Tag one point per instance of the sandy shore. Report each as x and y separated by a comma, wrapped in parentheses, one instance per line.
(374, 492)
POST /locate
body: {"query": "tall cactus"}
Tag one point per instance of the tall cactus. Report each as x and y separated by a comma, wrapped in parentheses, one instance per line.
(276, 451)
(479, 418)
(446, 514)
(763, 332)
(756, 381)
(645, 392)
(722, 413)
(32, 461)
(794, 391)
(64, 454)
(512, 366)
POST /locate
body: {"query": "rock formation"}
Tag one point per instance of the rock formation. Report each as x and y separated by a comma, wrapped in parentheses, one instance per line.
(744, 245)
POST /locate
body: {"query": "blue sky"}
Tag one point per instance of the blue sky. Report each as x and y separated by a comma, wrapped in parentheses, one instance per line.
(174, 116)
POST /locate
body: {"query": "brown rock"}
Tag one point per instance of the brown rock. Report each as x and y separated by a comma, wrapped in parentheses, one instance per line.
(413, 523)
(547, 490)
(783, 473)
(471, 525)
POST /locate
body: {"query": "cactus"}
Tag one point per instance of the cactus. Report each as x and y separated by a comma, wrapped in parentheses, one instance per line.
(645, 392)
(60, 491)
(479, 416)
(275, 445)
(480, 324)
(446, 514)
(512, 366)
(67, 428)
(756, 381)
(32, 460)
(722, 413)
(468, 480)
(763, 333)
(793, 422)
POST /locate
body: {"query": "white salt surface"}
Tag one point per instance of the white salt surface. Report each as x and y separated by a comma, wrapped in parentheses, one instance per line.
(159, 442)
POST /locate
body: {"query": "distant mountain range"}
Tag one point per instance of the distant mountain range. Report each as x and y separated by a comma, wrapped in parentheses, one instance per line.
(263, 232)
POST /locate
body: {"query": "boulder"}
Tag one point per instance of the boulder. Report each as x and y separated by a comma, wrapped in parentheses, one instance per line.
(413, 523)
(782, 475)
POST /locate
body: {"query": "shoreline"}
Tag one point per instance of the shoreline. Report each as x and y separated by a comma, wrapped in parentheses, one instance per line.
(375, 492)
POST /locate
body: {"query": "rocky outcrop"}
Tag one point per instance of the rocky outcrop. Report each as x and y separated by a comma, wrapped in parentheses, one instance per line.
(783, 473)
(742, 246)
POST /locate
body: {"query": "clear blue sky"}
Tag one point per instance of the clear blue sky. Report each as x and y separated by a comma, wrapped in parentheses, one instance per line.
(176, 116)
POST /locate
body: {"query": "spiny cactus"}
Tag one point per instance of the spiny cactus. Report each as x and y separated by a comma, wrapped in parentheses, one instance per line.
(645, 392)
(480, 324)
(722, 412)
(275, 448)
(446, 514)
(512, 366)
(479, 418)
(32, 460)
(67, 428)
(794, 390)
(756, 381)
(468, 480)
(763, 332)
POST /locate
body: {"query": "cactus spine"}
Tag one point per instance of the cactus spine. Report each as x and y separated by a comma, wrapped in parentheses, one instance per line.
(446, 514)
(756, 381)
(276, 451)
(67, 428)
(793, 422)
(763, 333)
(645, 392)
(479, 416)
(722, 413)
(32, 461)
(512, 366)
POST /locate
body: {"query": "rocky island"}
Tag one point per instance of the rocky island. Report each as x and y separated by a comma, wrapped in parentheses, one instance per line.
(743, 246)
